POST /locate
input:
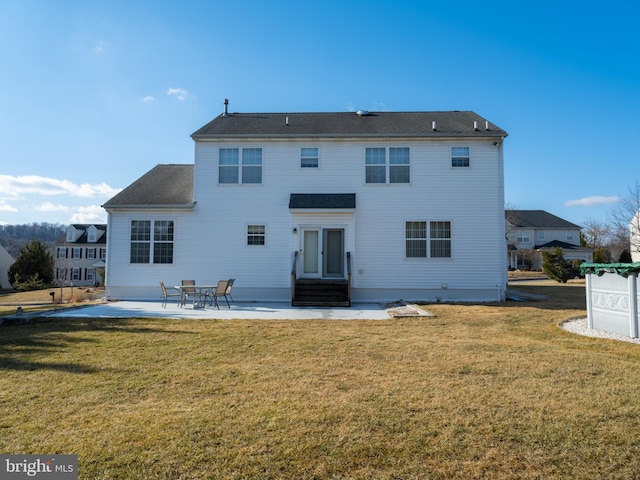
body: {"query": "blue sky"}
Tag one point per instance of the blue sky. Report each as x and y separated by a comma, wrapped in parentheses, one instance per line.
(93, 94)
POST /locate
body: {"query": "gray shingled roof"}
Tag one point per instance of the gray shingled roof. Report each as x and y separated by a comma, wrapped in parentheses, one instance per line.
(537, 219)
(349, 124)
(164, 185)
(322, 200)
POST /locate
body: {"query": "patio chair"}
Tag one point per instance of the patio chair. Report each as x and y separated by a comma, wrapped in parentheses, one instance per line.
(188, 291)
(229, 285)
(166, 295)
(220, 291)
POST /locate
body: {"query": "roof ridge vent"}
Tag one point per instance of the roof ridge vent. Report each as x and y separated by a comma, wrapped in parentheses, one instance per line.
(362, 113)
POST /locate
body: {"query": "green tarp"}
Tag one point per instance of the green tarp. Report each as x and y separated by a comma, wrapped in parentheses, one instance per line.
(622, 269)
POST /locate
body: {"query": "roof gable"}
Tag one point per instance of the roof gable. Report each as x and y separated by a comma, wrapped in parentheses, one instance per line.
(164, 185)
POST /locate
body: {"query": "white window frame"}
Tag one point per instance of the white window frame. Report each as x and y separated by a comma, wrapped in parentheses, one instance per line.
(242, 166)
(62, 252)
(385, 159)
(421, 242)
(76, 253)
(156, 242)
(76, 274)
(459, 157)
(91, 253)
(256, 235)
(308, 158)
(540, 236)
(523, 236)
(570, 235)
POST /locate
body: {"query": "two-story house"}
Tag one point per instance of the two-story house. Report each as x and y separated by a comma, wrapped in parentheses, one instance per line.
(395, 205)
(80, 255)
(529, 232)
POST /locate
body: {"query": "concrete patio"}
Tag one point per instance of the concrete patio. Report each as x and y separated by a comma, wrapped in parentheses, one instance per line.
(238, 310)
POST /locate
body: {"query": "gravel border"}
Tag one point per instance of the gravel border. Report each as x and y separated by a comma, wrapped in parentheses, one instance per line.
(579, 327)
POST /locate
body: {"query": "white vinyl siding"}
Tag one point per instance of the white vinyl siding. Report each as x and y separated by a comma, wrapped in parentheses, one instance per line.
(204, 248)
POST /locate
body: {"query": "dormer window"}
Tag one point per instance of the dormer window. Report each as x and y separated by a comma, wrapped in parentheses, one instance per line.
(92, 234)
(71, 234)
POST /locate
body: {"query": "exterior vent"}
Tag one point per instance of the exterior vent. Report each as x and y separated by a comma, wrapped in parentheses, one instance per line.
(433, 126)
(362, 113)
(226, 108)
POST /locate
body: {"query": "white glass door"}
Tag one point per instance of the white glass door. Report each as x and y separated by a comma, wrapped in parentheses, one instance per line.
(310, 252)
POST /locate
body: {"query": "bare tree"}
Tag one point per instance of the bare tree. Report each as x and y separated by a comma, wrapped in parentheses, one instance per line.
(625, 219)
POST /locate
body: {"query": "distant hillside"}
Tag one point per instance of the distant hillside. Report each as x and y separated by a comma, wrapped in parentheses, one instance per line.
(14, 237)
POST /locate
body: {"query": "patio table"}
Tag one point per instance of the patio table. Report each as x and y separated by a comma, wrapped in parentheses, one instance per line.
(197, 291)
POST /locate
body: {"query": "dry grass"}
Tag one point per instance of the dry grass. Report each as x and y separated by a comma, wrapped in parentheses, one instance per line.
(482, 391)
(39, 299)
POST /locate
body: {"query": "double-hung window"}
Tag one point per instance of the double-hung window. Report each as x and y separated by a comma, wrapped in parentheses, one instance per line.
(460, 156)
(523, 237)
(255, 234)
(144, 247)
(309, 158)
(428, 239)
(237, 165)
(76, 252)
(440, 238)
(391, 168)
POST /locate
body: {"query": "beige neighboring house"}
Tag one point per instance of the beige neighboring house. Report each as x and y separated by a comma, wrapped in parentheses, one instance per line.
(530, 232)
(6, 260)
(80, 255)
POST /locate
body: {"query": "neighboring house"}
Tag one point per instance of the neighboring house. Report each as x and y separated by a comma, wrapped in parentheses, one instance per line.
(533, 231)
(6, 260)
(396, 205)
(80, 255)
(634, 236)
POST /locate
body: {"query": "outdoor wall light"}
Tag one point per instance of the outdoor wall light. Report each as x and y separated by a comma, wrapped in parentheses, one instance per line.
(295, 230)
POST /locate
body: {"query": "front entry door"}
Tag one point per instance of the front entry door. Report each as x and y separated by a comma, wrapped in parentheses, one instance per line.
(322, 252)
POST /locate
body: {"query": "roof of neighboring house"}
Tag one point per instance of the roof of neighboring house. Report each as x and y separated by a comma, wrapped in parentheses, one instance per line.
(322, 200)
(350, 124)
(169, 185)
(538, 219)
(84, 238)
(563, 245)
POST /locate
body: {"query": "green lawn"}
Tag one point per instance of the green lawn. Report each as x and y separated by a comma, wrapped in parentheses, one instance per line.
(484, 391)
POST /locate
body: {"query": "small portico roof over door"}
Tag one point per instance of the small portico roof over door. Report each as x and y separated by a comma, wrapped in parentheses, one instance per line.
(323, 201)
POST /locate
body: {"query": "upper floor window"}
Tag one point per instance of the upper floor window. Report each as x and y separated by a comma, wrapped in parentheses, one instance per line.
(92, 234)
(91, 253)
(309, 157)
(255, 234)
(523, 237)
(232, 170)
(570, 236)
(142, 244)
(62, 252)
(395, 170)
(540, 236)
(77, 252)
(459, 156)
(434, 242)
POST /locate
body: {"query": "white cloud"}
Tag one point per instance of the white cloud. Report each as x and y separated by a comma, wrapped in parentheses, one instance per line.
(179, 93)
(15, 188)
(50, 207)
(5, 207)
(591, 201)
(89, 214)
(149, 99)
